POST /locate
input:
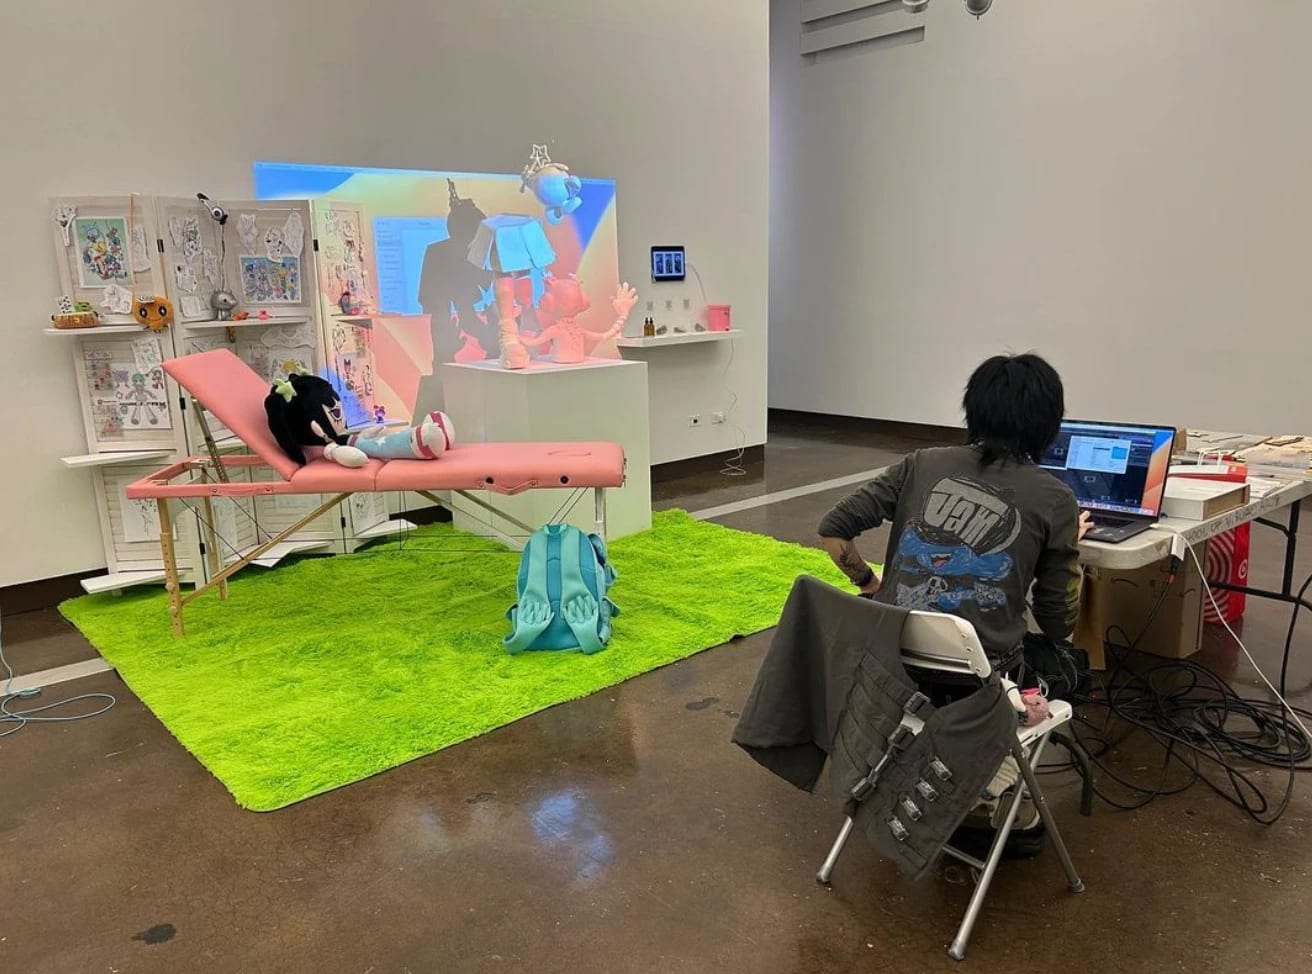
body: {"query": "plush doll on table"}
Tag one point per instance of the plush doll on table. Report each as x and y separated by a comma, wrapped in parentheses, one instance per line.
(305, 410)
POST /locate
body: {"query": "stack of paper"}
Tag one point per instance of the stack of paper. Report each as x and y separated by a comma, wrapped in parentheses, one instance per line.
(1281, 455)
(1259, 487)
(1208, 444)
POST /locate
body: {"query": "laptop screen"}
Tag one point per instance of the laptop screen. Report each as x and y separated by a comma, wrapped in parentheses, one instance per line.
(1113, 467)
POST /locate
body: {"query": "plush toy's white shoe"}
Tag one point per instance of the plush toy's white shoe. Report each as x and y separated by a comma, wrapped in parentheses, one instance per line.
(438, 424)
(347, 456)
(432, 438)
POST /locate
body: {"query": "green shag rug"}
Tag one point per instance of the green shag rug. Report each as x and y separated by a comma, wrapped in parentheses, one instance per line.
(325, 671)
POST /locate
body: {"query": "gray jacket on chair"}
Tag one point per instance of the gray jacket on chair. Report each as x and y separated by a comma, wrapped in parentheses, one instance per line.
(833, 686)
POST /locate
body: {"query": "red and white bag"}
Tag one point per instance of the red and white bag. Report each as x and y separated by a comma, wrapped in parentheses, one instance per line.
(1226, 558)
(1227, 561)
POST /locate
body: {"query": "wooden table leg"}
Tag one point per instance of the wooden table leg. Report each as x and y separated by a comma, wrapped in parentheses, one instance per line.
(171, 584)
(214, 555)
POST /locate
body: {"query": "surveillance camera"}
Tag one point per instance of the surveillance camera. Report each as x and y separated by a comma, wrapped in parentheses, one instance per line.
(217, 213)
(977, 7)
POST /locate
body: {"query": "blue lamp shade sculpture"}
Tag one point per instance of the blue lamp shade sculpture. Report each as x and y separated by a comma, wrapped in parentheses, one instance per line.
(511, 246)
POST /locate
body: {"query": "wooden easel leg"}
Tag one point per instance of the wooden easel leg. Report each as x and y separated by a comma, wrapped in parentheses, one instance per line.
(171, 584)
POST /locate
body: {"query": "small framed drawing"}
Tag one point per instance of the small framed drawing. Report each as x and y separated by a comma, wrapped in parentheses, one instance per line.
(267, 281)
(102, 256)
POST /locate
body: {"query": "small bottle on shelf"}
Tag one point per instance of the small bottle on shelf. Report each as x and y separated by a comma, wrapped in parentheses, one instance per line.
(649, 327)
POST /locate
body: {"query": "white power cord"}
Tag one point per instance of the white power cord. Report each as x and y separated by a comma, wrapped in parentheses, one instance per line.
(1180, 544)
(733, 466)
(698, 274)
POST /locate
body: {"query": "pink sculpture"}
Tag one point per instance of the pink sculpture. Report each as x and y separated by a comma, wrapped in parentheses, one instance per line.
(471, 350)
(512, 247)
(563, 302)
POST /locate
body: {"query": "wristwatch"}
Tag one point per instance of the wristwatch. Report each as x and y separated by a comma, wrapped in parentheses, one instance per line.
(867, 578)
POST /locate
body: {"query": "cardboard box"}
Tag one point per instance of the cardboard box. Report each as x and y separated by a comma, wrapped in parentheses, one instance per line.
(1125, 600)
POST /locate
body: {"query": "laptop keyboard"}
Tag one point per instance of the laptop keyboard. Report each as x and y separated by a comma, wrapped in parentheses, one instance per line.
(1106, 521)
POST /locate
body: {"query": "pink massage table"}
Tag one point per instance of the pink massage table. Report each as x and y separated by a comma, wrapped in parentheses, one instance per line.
(225, 386)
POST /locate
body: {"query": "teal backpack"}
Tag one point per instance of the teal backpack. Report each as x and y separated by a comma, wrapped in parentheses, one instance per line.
(563, 580)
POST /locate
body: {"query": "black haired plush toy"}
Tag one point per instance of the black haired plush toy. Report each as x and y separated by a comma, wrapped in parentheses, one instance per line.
(303, 411)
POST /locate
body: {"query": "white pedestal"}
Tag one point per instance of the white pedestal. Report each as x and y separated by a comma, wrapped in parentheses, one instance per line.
(600, 399)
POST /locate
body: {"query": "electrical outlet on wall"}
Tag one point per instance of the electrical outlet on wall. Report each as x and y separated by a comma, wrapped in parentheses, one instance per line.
(717, 417)
(651, 305)
(669, 304)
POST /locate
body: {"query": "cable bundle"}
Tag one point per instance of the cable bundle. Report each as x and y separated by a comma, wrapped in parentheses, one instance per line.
(1208, 732)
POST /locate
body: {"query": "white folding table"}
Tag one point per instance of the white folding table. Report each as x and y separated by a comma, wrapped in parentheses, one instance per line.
(1154, 545)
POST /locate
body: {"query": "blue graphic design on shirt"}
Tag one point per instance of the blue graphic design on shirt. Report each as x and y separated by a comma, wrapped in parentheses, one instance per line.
(957, 544)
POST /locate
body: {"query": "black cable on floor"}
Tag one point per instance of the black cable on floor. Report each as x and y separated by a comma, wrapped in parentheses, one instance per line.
(1208, 732)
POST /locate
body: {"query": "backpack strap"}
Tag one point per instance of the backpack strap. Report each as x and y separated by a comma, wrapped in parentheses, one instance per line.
(531, 616)
(608, 572)
(578, 606)
(609, 611)
(607, 576)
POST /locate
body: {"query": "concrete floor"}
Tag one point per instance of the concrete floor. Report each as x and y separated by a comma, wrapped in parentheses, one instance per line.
(621, 833)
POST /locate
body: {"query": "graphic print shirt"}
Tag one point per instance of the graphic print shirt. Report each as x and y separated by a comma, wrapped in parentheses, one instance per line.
(973, 541)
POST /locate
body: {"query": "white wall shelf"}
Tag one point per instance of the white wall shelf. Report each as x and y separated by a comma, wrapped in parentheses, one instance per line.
(98, 330)
(684, 338)
(109, 459)
(366, 320)
(280, 551)
(251, 322)
(385, 529)
(117, 581)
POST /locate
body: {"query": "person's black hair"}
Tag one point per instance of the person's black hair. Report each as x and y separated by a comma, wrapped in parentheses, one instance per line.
(1014, 407)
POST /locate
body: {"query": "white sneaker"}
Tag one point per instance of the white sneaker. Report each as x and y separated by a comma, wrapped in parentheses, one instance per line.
(995, 798)
(1027, 816)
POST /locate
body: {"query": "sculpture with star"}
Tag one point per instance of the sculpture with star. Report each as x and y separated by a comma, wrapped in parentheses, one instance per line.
(556, 188)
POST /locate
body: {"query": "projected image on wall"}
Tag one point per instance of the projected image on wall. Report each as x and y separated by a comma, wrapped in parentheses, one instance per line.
(433, 305)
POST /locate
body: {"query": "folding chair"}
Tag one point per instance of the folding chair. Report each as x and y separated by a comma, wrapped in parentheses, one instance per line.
(947, 644)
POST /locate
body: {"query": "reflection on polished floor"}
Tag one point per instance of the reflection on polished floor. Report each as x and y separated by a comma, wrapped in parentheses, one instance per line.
(620, 833)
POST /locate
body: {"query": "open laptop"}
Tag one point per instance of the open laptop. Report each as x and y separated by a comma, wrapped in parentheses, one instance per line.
(1117, 471)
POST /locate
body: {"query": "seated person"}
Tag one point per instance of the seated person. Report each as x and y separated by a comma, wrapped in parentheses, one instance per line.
(978, 530)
